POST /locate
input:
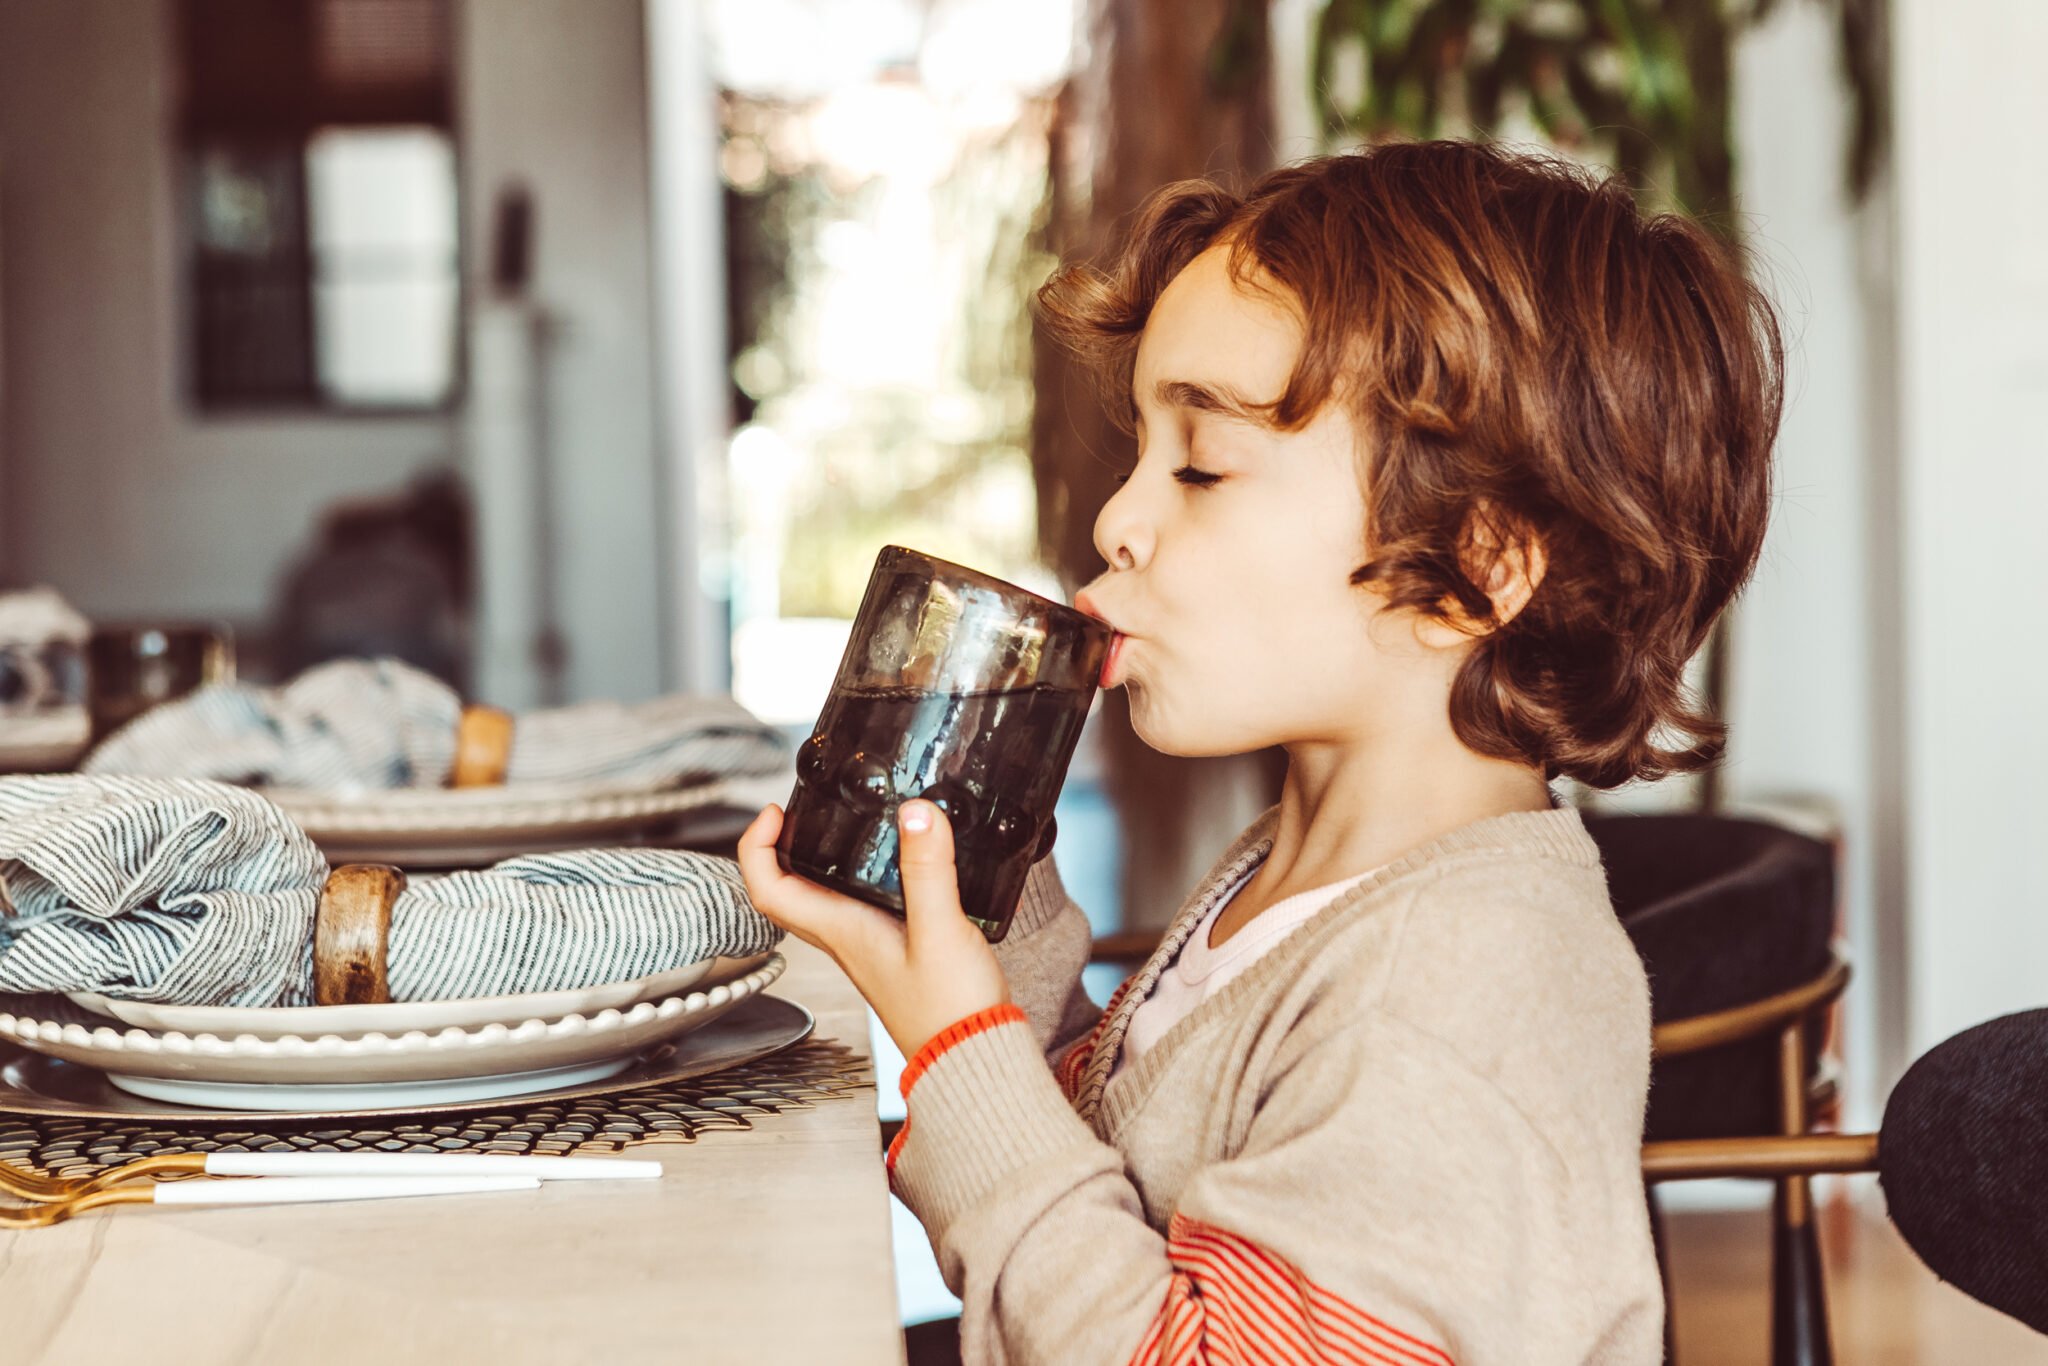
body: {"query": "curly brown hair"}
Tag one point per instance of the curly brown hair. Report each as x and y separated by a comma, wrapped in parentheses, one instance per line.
(1529, 357)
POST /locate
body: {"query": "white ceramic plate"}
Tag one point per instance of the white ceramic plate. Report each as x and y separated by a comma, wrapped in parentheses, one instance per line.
(423, 812)
(400, 1017)
(31, 1084)
(43, 744)
(242, 1095)
(472, 826)
(495, 1050)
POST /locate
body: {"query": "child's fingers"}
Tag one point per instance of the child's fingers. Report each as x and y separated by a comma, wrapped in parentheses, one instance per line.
(931, 882)
(797, 904)
(790, 901)
(756, 854)
(765, 829)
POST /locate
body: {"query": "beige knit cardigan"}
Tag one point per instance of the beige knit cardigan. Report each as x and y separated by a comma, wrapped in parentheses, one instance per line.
(1409, 1133)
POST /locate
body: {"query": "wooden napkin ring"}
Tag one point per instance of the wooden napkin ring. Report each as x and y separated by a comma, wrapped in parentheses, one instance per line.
(483, 747)
(351, 932)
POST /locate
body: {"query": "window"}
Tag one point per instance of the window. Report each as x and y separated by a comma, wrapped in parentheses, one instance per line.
(884, 163)
(321, 204)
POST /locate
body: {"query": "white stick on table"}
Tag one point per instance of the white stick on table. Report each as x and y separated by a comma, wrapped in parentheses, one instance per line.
(431, 1164)
(292, 1190)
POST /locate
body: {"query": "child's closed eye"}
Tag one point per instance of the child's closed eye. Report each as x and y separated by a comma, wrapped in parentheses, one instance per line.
(1186, 474)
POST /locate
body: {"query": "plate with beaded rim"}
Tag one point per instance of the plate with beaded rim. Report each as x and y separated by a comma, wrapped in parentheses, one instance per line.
(401, 1017)
(36, 1084)
(298, 1072)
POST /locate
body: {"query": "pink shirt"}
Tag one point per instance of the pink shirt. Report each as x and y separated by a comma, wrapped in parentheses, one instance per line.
(1201, 971)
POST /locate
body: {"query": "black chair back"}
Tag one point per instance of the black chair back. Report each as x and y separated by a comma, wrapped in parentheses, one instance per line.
(1963, 1159)
(1724, 911)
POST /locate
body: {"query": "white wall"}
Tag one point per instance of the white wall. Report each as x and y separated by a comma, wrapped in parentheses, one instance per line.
(690, 332)
(1892, 652)
(554, 95)
(1806, 712)
(1973, 391)
(7, 541)
(117, 493)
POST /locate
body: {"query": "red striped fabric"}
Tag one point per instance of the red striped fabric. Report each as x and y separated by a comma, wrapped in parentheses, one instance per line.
(1077, 1058)
(1068, 1073)
(1231, 1301)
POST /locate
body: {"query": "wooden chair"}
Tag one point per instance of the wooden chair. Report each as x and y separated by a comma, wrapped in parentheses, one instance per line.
(1959, 1155)
(1735, 921)
(1792, 1019)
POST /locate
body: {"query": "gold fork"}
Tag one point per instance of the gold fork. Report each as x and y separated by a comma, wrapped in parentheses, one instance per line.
(33, 1186)
(57, 1211)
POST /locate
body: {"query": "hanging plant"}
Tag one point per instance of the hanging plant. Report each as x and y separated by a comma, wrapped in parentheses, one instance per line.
(1642, 85)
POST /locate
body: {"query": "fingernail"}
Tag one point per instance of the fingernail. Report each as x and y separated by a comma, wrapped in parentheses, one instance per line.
(916, 816)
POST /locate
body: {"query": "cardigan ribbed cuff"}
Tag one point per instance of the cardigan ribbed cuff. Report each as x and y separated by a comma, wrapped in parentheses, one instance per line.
(961, 1030)
(984, 1110)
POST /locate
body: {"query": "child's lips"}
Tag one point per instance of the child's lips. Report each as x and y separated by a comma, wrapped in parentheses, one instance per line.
(1112, 663)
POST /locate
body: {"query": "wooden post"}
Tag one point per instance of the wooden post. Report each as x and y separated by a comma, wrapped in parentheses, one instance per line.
(1170, 90)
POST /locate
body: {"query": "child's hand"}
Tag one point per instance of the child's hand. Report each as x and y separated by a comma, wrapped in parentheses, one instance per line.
(921, 973)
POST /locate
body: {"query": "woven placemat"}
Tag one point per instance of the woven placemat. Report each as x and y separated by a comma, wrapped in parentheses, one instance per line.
(668, 1112)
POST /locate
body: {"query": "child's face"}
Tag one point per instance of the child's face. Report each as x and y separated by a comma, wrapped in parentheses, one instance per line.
(1243, 627)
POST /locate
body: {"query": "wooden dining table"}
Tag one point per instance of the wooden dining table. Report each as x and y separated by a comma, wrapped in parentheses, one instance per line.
(768, 1245)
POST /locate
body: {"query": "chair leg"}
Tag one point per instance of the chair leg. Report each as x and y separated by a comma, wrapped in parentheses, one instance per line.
(1657, 1241)
(1799, 1306)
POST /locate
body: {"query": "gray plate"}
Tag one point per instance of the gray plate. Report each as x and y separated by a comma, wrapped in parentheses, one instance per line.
(474, 827)
(31, 1084)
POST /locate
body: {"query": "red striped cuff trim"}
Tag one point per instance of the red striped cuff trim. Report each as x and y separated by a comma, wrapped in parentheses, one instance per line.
(958, 1032)
(1231, 1300)
(895, 1147)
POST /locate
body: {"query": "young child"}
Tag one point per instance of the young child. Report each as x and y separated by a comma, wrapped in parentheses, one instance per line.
(1449, 458)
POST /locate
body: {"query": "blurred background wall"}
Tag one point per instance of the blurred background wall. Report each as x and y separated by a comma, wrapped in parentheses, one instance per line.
(554, 101)
(141, 506)
(1970, 383)
(118, 490)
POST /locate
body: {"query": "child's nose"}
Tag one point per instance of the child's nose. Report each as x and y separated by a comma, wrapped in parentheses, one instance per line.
(1124, 536)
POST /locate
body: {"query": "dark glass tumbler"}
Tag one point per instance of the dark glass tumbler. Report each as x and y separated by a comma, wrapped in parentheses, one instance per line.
(958, 688)
(133, 667)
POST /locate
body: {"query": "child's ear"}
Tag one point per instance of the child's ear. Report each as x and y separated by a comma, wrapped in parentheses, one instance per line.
(1505, 560)
(1517, 569)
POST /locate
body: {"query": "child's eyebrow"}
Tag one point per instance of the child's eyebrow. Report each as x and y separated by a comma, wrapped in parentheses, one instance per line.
(1208, 398)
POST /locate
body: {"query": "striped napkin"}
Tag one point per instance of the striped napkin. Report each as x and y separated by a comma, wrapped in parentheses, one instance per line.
(359, 725)
(179, 891)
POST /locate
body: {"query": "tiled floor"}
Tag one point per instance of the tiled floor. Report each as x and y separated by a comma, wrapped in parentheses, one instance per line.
(1886, 1308)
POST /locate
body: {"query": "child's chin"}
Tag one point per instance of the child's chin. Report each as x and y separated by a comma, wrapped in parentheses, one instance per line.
(1145, 721)
(1181, 741)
